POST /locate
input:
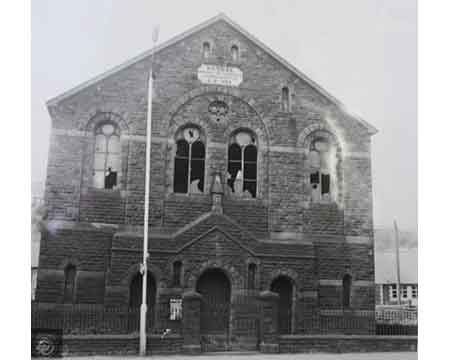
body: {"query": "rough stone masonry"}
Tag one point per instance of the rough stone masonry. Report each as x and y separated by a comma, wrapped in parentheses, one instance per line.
(260, 184)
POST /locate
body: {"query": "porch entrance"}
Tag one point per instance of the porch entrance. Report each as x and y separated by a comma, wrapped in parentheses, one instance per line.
(215, 289)
(283, 287)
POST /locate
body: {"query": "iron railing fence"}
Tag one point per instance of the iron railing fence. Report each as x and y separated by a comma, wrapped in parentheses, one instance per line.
(88, 319)
(396, 321)
(100, 319)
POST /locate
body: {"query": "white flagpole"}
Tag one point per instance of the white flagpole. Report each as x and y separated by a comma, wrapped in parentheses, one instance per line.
(146, 255)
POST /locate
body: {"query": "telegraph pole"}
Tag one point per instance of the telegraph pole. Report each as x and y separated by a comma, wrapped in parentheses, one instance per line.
(397, 256)
(145, 253)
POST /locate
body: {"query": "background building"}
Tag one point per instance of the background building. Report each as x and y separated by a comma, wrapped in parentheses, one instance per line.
(260, 181)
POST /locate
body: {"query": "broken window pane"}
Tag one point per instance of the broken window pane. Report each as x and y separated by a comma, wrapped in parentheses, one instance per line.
(314, 159)
(99, 179)
(197, 174)
(180, 180)
(250, 186)
(114, 144)
(110, 179)
(182, 149)
(233, 168)
(100, 143)
(250, 153)
(244, 139)
(198, 150)
(99, 161)
(249, 171)
(113, 162)
(234, 152)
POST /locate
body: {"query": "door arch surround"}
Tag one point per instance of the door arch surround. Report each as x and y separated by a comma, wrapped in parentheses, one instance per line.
(284, 287)
(215, 287)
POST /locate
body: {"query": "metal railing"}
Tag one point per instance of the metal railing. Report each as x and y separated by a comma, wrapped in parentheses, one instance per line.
(88, 319)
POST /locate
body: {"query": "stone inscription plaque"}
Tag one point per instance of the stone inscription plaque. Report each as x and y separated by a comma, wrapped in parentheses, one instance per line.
(219, 75)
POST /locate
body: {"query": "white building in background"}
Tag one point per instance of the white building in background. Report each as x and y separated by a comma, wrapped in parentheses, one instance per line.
(387, 291)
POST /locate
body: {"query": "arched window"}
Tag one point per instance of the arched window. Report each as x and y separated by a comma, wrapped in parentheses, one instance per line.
(235, 53)
(242, 164)
(285, 99)
(189, 162)
(322, 165)
(346, 291)
(206, 49)
(107, 156)
(176, 273)
(69, 283)
(251, 281)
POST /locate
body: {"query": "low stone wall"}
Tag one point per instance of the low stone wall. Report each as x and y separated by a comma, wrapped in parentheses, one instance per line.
(345, 343)
(119, 344)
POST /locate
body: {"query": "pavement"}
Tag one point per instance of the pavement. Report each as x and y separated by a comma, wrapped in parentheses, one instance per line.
(259, 356)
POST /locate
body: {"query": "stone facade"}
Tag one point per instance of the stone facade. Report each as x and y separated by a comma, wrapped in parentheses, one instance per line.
(282, 230)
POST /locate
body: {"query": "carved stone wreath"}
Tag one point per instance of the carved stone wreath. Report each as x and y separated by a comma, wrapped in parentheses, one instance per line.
(218, 110)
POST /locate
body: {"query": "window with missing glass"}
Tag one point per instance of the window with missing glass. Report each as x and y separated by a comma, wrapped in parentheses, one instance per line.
(107, 156)
(242, 164)
(322, 166)
(189, 169)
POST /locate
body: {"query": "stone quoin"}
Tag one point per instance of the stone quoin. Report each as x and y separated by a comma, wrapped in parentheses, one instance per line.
(260, 195)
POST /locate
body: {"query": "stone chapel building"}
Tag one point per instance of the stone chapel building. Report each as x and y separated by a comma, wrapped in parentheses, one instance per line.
(260, 184)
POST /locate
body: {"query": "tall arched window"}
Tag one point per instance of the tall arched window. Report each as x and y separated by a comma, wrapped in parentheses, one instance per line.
(322, 165)
(206, 49)
(69, 283)
(176, 273)
(285, 99)
(107, 156)
(242, 164)
(346, 291)
(251, 281)
(189, 162)
(235, 53)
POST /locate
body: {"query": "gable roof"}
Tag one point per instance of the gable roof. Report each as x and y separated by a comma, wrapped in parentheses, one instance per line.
(220, 17)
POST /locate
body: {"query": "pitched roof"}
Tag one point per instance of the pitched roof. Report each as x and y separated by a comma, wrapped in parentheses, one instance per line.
(220, 17)
(386, 270)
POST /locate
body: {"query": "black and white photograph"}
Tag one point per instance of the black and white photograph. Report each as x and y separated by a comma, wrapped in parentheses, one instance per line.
(224, 179)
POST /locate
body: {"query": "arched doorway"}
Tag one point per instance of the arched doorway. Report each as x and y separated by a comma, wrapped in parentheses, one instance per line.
(215, 289)
(282, 285)
(135, 301)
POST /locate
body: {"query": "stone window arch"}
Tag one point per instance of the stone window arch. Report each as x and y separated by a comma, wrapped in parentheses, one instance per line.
(107, 155)
(189, 167)
(206, 50)
(70, 272)
(242, 163)
(234, 53)
(346, 291)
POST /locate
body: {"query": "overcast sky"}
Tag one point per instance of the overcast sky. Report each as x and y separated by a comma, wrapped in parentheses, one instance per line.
(362, 51)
